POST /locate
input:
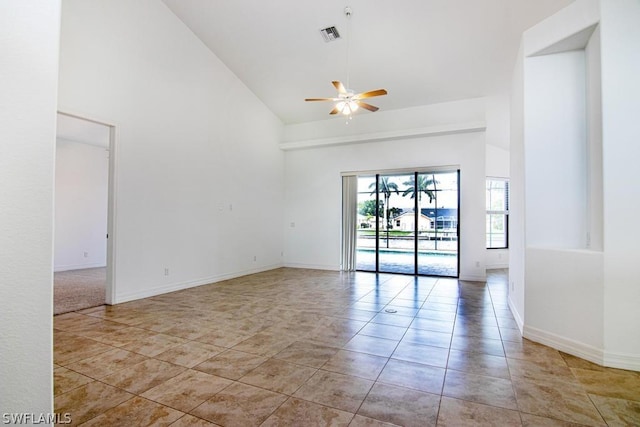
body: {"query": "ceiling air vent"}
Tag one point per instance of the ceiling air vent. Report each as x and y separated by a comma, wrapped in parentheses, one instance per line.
(330, 34)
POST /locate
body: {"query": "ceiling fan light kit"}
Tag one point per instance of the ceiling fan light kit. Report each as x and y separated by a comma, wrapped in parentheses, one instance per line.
(347, 101)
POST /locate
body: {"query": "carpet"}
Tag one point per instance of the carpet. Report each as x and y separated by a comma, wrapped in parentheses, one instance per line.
(78, 289)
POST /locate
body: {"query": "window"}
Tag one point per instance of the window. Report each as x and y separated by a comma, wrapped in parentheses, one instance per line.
(497, 213)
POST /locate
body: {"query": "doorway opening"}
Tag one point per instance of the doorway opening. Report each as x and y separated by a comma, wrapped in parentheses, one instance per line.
(408, 223)
(83, 249)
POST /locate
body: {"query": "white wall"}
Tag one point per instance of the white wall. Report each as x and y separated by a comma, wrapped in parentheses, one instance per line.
(314, 198)
(29, 63)
(556, 150)
(81, 190)
(583, 301)
(199, 176)
(621, 157)
(517, 241)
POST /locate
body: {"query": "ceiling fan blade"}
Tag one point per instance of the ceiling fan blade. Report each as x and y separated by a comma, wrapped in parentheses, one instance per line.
(321, 99)
(335, 111)
(370, 94)
(339, 86)
(367, 106)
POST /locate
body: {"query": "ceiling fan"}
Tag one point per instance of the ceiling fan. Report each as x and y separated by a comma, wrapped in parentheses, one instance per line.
(347, 101)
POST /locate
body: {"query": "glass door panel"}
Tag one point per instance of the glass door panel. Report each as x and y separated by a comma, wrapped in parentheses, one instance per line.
(366, 224)
(396, 234)
(408, 223)
(438, 242)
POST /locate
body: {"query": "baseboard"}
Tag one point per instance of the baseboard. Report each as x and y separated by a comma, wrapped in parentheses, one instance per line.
(312, 266)
(516, 314)
(622, 361)
(173, 287)
(59, 268)
(564, 344)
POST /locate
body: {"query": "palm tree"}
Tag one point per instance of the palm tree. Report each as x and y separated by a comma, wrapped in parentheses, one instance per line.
(386, 188)
(414, 190)
(422, 187)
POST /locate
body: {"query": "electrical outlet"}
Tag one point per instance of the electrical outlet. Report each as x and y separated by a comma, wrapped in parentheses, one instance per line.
(166, 271)
(255, 258)
(86, 254)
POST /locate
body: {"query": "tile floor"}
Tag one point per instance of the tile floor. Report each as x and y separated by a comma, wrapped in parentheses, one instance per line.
(294, 347)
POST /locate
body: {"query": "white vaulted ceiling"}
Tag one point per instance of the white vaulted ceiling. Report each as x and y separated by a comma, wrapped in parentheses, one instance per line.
(421, 51)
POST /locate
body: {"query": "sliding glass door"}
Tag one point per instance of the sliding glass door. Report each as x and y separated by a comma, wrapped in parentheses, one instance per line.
(408, 223)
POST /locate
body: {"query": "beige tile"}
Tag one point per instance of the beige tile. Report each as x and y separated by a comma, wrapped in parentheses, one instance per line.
(529, 350)
(190, 354)
(556, 399)
(306, 320)
(223, 338)
(296, 412)
(355, 314)
(618, 384)
(186, 390)
(461, 413)
(413, 375)
(67, 321)
(188, 331)
(401, 406)
(428, 355)
(529, 420)
(480, 389)
(479, 363)
(360, 421)
(263, 344)
(106, 363)
(392, 319)
(69, 349)
(241, 405)
(426, 313)
(512, 335)
(124, 336)
(278, 375)
(143, 376)
(306, 353)
(356, 364)
(372, 345)
(335, 390)
(89, 401)
(477, 330)
(96, 328)
(65, 380)
(540, 369)
(191, 421)
(383, 331)
(136, 411)
(477, 344)
(231, 364)
(425, 337)
(154, 344)
(617, 412)
(432, 325)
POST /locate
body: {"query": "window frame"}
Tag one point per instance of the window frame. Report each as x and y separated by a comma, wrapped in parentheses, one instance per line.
(504, 212)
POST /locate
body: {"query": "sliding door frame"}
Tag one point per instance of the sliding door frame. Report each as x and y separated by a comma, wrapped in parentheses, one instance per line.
(417, 213)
